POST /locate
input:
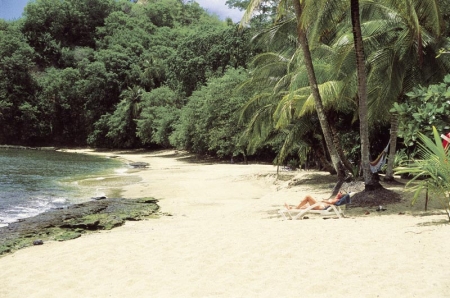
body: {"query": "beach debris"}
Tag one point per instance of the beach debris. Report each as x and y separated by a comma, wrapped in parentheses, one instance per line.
(139, 164)
(366, 213)
(38, 242)
(380, 208)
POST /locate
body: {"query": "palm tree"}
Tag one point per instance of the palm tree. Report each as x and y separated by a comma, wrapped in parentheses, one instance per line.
(397, 34)
(407, 56)
(122, 124)
(393, 34)
(132, 96)
(269, 71)
(303, 41)
(370, 183)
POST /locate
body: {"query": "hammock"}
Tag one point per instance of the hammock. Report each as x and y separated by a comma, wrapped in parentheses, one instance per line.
(376, 165)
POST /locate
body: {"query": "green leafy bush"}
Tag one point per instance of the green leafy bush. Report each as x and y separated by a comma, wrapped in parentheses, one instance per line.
(426, 107)
(431, 170)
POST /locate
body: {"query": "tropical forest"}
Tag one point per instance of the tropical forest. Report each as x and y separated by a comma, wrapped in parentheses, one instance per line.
(331, 85)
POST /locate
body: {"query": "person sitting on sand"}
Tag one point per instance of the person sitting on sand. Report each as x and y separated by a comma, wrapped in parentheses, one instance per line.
(311, 201)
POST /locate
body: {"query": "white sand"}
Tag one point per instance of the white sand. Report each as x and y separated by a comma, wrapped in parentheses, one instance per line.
(226, 240)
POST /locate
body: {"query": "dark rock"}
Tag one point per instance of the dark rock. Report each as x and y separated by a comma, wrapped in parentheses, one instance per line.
(75, 220)
(38, 242)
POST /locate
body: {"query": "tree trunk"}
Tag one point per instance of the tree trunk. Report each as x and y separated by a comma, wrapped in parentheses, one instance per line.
(339, 183)
(370, 183)
(337, 143)
(392, 148)
(303, 41)
(323, 162)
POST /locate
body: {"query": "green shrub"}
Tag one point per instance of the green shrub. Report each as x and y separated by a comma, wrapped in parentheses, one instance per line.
(431, 170)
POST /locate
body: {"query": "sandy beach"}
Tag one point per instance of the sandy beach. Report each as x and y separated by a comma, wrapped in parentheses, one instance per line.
(224, 238)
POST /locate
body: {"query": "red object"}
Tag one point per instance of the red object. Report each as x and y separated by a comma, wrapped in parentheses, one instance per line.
(445, 142)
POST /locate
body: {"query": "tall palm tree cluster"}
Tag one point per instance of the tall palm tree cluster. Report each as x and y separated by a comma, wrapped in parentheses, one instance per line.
(336, 63)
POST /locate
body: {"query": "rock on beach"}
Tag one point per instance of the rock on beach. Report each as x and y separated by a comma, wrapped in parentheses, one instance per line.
(73, 221)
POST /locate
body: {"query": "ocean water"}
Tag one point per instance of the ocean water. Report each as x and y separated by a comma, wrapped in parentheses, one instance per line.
(34, 181)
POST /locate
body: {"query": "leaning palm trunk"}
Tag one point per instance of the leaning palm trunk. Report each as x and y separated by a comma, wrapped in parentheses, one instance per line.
(303, 41)
(337, 143)
(370, 182)
(392, 143)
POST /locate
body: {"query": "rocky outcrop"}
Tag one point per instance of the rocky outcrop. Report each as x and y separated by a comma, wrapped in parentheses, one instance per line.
(16, 147)
(73, 221)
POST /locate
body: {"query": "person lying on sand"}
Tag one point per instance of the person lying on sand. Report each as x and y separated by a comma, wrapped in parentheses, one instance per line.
(309, 201)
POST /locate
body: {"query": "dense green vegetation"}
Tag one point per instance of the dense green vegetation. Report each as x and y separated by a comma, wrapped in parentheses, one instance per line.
(165, 74)
(110, 73)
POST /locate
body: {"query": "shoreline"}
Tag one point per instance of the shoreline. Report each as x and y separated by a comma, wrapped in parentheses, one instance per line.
(224, 238)
(71, 187)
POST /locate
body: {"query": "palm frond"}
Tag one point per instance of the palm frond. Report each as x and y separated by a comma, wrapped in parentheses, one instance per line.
(433, 168)
(252, 6)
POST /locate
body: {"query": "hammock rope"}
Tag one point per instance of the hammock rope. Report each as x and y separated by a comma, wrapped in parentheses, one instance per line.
(376, 165)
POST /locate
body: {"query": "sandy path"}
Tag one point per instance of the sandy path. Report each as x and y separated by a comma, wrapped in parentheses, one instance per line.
(225, 240)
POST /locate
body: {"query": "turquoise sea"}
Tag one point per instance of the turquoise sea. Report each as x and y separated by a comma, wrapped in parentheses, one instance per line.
(33, 181)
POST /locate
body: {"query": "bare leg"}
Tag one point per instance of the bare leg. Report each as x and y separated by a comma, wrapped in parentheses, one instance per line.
(307, 200)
